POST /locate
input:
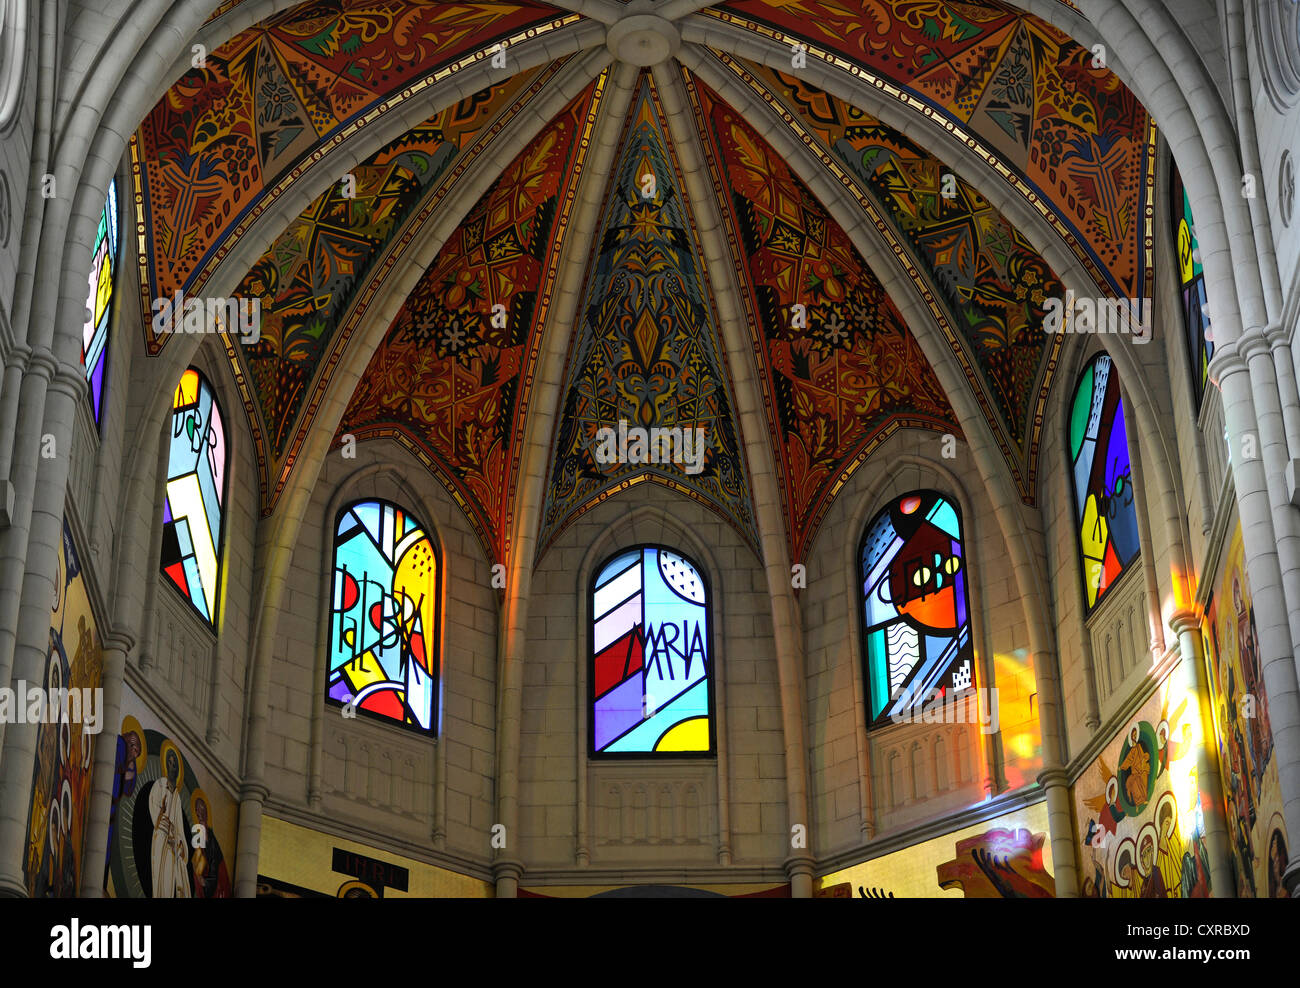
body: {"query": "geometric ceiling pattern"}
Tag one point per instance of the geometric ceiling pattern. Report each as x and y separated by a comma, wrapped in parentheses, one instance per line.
(228, 138)
(993, 281)
(836, 365)
(842, 372)
(647, 353)
(1071, 134)
(315, 267)
(450, 380)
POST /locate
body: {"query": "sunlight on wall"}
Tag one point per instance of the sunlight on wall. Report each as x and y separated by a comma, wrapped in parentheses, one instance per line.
(914, 871)
(1022, 737)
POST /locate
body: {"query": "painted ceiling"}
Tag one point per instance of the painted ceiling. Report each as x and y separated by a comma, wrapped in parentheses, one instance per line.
(647, 351)
(1072, 135)
(837, 366)
(446, 381)
(994, 283)
(228, 139)
(852, 374)
(309, 277)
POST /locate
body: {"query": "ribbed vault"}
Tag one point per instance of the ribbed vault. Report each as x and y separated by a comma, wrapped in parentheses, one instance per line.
(376, 115)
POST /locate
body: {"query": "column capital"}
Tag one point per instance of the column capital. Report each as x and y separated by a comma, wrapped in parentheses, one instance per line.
(507, 868)
(68, 380)
(1185, 619)
(42, 363)
(1254, 342)
(254, 791)
(1225, 362)
(120, 641)
(1049, 778)
(799, 864)
(1276, 336)
(19, 355)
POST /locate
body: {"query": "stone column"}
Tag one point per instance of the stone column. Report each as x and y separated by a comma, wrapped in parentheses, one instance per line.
(117, 646)
(32, 640)
(1264, 571)
(1060, 827)
(252, 798)
(1209, 781)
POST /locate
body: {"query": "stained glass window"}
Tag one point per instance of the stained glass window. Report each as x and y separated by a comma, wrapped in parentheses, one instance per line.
(194, 509)
(383, 658)
(651, 656)
(916, 606)
(1191, 282)
(1104, 511)
(99, 301)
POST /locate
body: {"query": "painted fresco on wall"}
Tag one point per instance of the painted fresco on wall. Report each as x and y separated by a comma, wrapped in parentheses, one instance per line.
(1256, 832)
(65, 746)
(171, 826)
(1008, 857)
(1141, 832)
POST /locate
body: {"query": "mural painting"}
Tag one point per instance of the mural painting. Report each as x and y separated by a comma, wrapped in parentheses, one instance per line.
(1141, 832)
(171, 826)
(65, 747)
(1257, 837)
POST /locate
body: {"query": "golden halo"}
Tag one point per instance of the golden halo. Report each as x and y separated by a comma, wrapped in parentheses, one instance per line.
(166, 746)
(1148, 832)
(356, 890)
(1125, 849)
(196, 797)
(1167, 831)
(132, 726)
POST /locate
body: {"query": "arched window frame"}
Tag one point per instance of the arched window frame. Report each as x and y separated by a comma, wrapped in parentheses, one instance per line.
(709, 641)
(203, 384)
(1077, 521)
(965, 650)
(432, 637)
(1190, 275)
(97, 328)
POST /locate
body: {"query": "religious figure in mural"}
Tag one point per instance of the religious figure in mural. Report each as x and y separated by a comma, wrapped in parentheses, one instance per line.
(211, 879)
(1259, 728)
(167, 851)
(125, 771)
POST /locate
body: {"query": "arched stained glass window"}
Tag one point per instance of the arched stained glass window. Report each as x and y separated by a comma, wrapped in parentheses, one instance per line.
(651, 656)
(383, 658)
(1191, 283)
(194, 510)
(99, 301)
(1104, 511)
(916, 606)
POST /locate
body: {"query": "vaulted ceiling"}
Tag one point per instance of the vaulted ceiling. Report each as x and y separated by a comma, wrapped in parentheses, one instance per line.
(358, 109)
